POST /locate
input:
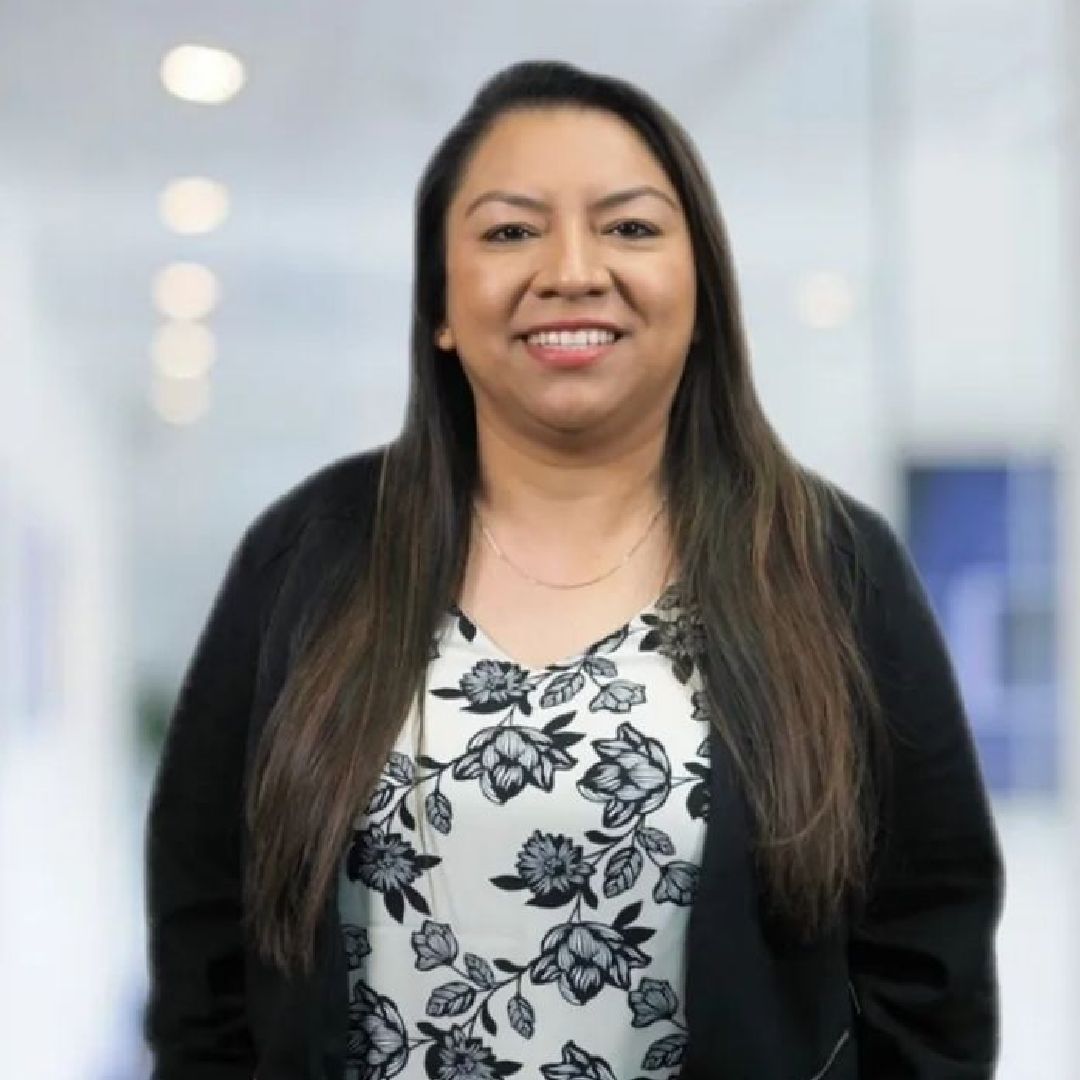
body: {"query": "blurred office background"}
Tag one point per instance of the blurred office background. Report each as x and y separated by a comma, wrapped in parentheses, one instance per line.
(204, 295)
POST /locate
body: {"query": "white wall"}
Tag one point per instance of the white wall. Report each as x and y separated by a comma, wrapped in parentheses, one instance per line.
(66, 911)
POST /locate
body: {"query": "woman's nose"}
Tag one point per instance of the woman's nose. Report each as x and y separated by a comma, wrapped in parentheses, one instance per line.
(573, 264)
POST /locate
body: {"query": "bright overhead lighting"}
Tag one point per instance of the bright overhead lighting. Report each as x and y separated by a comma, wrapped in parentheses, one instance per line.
(180, 401)
(184, 350)
(202, 74)
(186, 290)
(825, 300)
(194, 205)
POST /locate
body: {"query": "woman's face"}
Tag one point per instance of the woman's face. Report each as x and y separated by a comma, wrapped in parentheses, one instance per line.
(564, 215)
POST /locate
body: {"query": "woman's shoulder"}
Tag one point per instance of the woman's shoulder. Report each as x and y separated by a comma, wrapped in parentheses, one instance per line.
(345, 487)
(863, 544)
(341, 490)
(882, 587)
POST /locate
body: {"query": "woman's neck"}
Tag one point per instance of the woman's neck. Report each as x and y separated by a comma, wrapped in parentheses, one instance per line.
(568, 494)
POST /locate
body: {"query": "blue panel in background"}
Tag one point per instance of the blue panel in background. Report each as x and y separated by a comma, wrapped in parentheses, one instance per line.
(984, 540)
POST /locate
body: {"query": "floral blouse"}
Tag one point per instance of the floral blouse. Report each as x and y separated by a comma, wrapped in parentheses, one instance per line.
(515, 897)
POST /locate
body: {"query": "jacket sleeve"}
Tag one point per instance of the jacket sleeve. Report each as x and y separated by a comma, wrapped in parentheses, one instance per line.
(921, 953)
(195, 1022)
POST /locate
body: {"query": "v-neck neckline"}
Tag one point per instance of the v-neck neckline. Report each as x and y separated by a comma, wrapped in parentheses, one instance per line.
(481, 635)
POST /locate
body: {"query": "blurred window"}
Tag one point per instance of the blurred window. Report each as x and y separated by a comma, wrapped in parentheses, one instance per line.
(984, 540)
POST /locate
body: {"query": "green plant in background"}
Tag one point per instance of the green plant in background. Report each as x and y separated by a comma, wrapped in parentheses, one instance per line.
(154, 702)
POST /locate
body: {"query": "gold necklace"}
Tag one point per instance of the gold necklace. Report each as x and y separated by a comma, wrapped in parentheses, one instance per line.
(558, 585)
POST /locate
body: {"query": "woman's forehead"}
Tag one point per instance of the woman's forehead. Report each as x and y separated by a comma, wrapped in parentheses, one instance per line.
(556, 153)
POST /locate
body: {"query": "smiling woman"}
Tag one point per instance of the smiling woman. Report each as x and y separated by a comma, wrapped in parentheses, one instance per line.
(580, 732)
(566, 247)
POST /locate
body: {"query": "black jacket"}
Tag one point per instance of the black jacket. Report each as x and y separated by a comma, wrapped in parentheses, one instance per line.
(905, 989)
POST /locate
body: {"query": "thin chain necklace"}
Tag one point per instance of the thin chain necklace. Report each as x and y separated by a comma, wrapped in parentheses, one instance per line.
(558, 585)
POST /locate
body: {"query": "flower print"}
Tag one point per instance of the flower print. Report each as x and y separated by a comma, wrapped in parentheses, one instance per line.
(377, 1044)
(653, 1000)
(356, 945)
(677, 883)
(552, 864)
(491, 685)
(584, 958)
(459, 1056)
(577, 1064)
(682, 640)
(632, 777)
(618, 696)
(434, 944)
(508, 759)
(382, 860)
(386, 862)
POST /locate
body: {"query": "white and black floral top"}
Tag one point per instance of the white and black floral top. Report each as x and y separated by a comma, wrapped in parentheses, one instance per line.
(537, 925)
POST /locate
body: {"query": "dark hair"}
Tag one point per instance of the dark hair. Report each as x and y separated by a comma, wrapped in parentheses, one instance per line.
(783, 676)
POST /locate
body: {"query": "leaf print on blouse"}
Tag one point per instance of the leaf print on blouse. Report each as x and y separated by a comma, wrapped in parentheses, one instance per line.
(633, 776)
(376, 1046)
(521, 1015)
(387, 863)
(697, 798)
(665, 1053)
(568, 680)
(399, 772)
(435, 945)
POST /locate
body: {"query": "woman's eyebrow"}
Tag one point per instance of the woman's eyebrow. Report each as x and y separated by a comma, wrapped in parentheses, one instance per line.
(605, 202)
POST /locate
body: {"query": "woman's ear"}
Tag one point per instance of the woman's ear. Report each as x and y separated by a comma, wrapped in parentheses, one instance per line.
(444, 339)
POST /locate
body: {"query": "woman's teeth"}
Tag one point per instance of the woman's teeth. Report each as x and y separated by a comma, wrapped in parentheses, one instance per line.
(571, 339)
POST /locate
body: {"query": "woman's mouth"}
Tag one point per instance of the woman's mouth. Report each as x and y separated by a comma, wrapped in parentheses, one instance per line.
(570, 348)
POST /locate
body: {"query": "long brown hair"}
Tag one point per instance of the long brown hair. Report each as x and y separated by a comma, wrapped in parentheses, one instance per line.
(781, 669)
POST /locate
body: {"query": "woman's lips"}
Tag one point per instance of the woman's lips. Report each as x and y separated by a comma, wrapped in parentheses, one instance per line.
(574, 357)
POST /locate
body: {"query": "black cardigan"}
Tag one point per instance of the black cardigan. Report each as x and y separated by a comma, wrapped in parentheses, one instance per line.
(906, 988)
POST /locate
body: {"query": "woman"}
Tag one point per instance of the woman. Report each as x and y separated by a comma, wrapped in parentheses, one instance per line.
(579, 732)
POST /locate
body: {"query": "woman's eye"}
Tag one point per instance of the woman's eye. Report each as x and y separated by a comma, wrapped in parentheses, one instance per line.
(499, 235)
(643, 229)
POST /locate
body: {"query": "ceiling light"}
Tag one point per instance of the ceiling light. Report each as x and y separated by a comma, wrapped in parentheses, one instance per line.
(184, 350)
(180, 401)
(186, 290)
(202, 74)
(824, 300)
(194, 205)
